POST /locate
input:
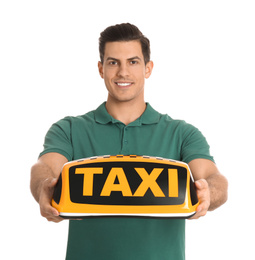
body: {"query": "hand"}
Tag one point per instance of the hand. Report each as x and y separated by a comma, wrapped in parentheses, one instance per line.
(47, 211)
(203, 194)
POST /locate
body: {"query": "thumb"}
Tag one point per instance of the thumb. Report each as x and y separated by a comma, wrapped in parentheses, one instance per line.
(201, 184)
(50, 182)
(53, 182)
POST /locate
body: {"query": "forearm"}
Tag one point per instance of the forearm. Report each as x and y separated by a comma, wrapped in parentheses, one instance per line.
(218, 186)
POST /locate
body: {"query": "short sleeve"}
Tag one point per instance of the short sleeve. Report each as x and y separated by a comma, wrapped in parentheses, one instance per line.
(58, 139)
(194, 145)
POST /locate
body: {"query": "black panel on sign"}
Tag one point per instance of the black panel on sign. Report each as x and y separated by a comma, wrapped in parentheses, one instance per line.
(57, 190)
(193, 194)
(134, 180)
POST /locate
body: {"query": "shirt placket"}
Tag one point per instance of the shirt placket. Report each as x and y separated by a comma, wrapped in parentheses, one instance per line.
(125, 141)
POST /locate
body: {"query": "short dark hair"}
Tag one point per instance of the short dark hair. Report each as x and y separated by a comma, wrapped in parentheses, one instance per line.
(124, 32)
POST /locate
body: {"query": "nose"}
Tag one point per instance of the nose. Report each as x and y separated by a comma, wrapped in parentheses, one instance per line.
(123, 71)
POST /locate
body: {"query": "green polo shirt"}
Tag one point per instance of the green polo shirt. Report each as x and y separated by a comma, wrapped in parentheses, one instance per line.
(153, 134)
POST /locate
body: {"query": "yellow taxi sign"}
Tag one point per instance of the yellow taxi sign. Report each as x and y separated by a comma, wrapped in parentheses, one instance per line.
(125, 186)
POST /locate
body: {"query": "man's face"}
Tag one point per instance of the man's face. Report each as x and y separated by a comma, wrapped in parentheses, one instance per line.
(124, 70)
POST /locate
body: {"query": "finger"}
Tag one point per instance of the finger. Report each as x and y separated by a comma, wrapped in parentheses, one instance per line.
(200, 212)
(203, 207)
(50, 183)
(203, 195)
(201, 184)
(54, 219)
(47, 190)
(47, 210)
(51, 214)
(198, 215)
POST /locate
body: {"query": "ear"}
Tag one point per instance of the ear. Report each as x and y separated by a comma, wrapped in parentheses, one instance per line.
(148, 69)
(100, 69)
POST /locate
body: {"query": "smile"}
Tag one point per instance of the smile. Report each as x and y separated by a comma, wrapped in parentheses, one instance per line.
(124, 84)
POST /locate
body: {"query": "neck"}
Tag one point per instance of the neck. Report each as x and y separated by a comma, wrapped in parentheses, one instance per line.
(126, 112)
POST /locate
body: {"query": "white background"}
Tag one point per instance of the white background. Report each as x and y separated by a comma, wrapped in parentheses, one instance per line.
(204, 59)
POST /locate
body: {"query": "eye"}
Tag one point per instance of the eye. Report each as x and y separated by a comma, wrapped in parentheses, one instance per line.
(133, 62)
(113, 63)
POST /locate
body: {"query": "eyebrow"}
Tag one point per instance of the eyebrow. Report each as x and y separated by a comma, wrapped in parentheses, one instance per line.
(135, 58)
(129, 59)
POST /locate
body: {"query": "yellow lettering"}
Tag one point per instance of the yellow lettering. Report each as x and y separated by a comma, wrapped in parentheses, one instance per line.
(173, 183)
(149, 181)
(88, 178)
(122, 186)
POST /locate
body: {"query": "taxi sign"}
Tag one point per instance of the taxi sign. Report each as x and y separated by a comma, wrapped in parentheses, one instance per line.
(139, 186)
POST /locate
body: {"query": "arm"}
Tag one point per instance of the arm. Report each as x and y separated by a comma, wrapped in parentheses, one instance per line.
(211, 186)
(44, 177)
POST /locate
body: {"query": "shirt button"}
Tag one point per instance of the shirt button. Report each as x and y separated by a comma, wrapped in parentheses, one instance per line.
(125, 141)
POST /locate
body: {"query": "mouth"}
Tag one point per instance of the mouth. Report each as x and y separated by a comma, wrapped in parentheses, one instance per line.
(124, 84)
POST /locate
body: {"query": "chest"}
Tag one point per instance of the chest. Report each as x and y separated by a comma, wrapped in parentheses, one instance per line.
(114, 139)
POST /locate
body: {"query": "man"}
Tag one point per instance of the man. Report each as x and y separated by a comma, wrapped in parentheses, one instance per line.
(125, 124)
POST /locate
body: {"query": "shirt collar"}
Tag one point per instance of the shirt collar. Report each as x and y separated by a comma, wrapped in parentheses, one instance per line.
(102, 116)
(149, 116)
